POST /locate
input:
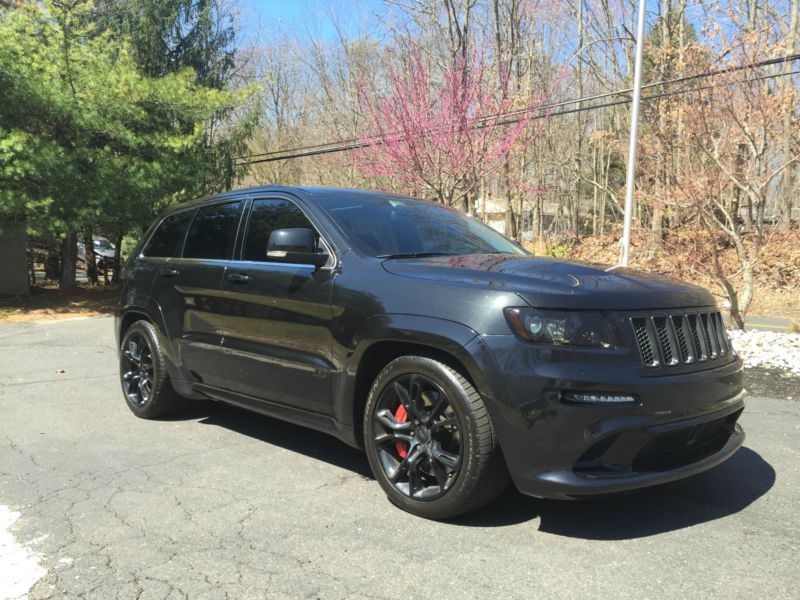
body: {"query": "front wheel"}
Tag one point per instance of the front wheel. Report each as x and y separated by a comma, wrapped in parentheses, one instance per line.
(430, 440)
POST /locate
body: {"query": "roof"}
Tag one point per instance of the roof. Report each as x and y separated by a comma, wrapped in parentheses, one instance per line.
(317, 193)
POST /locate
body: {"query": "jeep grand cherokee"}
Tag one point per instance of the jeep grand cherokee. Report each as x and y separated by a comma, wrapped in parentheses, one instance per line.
(450, 354)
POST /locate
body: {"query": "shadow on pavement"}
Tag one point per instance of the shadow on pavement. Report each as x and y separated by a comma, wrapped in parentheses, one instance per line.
(720, 492)
(314, 444)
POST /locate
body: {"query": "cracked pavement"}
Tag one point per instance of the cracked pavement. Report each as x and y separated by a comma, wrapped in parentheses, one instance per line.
(223, 503)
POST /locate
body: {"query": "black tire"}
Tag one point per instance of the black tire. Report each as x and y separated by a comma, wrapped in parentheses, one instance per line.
(142, 358)
(437, 489)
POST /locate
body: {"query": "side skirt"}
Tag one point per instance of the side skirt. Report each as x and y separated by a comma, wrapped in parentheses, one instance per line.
(304, 418)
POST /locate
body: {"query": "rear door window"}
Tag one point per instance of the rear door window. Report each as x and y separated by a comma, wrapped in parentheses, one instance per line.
(213, 231)
(167, 239)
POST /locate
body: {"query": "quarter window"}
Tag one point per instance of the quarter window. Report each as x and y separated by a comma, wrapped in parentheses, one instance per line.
(265, 217)
(213, 231)
(167, 239)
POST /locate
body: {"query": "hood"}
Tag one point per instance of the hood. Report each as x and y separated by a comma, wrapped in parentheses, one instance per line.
(550, 283)
(104, 252)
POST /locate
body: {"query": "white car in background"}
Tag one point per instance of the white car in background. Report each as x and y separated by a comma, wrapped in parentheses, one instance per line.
(103, 252)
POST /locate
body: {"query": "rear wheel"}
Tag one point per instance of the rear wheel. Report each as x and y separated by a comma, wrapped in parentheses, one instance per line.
(143, 374)
(430, 440)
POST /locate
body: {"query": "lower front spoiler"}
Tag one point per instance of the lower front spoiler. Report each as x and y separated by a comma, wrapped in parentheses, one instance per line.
(567, 484)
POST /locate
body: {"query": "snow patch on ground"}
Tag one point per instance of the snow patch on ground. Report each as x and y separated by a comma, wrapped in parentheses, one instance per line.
(19, 566)
(768, 349)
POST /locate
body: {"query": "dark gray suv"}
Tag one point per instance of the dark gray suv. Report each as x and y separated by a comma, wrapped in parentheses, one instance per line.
(451, 355)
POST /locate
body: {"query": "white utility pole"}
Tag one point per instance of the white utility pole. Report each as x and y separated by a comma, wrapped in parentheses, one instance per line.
(637, 92)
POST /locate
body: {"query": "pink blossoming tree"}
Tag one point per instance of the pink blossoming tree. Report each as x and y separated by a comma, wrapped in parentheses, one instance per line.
(440, 136)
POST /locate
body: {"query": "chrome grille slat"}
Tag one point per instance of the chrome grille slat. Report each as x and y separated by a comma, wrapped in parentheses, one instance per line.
(662, 325)
(644, 341)
(681, 327)
(698, 337)
(722, 337)
(680, 338)
(710, 336)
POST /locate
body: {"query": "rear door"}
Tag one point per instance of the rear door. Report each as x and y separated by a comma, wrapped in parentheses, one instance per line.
(277, 325)
(139, 274)
(188, 290)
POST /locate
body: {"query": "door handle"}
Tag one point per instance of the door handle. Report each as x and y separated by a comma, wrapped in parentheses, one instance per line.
(167, 272)
(238, 277)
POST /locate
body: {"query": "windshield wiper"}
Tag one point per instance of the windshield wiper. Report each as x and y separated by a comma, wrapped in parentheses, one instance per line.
(416, 254)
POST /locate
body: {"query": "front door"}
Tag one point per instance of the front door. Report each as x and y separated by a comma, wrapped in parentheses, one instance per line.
(277, 325)
(188, 291)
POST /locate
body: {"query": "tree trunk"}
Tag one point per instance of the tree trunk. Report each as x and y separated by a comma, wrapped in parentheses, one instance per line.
(52, 264)
(510, 222)
(520, 216)
(722, 279)
(747, 293)
(657, 222)
(117, 258)
(786, 198)
(536, 220)
(606, 175)
(91, 261)
(736, 314)
(31, 266)
(594, 190)
(69, 254)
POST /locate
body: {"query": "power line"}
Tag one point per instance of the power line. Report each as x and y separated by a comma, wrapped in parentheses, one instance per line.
(653, 97)
(509, 117)
(707, 74)
(310, 151)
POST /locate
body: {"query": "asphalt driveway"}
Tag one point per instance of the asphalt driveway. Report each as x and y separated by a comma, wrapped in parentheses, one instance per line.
(224, 503)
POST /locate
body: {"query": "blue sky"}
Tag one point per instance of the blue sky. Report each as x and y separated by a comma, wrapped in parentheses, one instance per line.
(297, 16)
(289, 11)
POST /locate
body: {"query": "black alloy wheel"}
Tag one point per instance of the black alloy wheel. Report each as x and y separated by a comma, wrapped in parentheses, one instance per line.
(138, 371)
(417, 437)
(430, 440)
(144, 374)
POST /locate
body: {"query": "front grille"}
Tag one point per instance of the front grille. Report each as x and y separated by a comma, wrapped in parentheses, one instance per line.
(680, 338)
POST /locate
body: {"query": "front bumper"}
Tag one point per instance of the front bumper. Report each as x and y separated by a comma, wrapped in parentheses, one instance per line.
(680, 425)
(577, 481)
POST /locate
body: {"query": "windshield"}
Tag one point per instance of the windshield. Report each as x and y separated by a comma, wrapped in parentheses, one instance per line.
(103, 244)
(396, 227)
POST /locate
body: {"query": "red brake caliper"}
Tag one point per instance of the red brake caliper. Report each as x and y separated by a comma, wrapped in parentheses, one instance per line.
(401, 417)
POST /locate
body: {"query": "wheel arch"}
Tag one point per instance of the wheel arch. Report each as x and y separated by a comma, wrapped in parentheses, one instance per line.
(154, 316)
(389, 337)
(128, 318)
(146, 310)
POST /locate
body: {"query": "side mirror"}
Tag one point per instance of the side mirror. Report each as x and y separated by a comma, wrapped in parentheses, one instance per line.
(295, 245)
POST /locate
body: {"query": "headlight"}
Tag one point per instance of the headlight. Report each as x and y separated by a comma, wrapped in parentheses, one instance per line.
(570, 328)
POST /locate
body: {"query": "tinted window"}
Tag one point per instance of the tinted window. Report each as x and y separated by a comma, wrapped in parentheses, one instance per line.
(213, 231)
(389, 225)
(265, 217)
(166, 241)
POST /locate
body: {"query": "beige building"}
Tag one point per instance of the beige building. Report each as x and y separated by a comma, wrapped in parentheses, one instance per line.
(492, 211)
(13, 259)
